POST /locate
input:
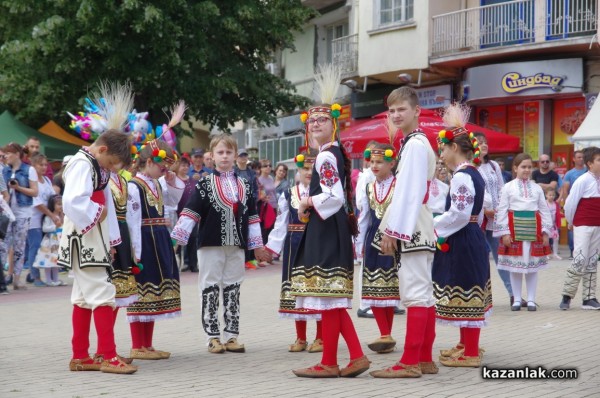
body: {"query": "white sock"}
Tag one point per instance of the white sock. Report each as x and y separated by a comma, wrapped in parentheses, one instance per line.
(516, 281)
(531, 283)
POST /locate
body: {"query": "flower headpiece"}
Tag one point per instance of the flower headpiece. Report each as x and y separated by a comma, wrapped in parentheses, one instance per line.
(386, 154)
(457, 115)
(447, 136)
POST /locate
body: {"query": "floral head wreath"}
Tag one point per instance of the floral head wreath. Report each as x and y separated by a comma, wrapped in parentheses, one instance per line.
(447, 136)
(387, 154)
(333, 112)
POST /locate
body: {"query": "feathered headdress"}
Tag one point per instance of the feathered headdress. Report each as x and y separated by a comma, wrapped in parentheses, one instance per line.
(456, 117)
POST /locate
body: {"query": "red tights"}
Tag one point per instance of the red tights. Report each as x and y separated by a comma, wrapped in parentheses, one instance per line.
(301, 330)
(384, 316)
(141, 334)
(336, 322)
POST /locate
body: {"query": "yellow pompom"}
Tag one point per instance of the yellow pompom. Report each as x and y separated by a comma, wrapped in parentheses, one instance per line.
(162, 153)
(303, 117)
(442, 134)
(336, 107)
(300, 158)
(389, 153)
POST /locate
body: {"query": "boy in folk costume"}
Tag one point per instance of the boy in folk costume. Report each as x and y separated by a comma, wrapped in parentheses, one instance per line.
(156, 272)
(223, 204)
(379, 289)
(582, 210)
(287, 234)
(89, 230)
(407, 233)
(523, 222)
(323, 270)
(461, 268)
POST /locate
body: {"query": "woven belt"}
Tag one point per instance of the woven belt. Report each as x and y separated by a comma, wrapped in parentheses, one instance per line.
(296, 227)
(154, 221)
(474, 219)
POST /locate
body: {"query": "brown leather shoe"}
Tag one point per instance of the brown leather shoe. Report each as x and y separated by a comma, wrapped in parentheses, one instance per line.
(115, 365)
(143, 353)
(232, 345)
(356, 367)
(215, 346)
(461, 362)
(429, 368)
(298, 346)
(318, 371)
(316, 346)
(382, 343)
(403, 372)
(163, 354)
(85, 364)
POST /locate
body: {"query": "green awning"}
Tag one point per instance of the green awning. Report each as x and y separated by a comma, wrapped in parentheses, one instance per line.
(12, 130)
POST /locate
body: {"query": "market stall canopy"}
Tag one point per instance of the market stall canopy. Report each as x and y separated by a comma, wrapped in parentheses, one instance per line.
(51, 129)
(356, 138)
(588, 133)
(12, 130)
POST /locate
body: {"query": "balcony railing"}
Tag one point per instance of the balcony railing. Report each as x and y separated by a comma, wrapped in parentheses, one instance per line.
(571, 18)
(512, 22)
(344, 52)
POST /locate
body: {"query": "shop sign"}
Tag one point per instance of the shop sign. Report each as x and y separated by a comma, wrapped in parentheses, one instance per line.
(513, 82)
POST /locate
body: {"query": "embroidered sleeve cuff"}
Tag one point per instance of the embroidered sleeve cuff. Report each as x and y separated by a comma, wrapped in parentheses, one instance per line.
(253, 219)
(94, 221)
(396, 235)
(191, 214)
(255, 243)
(115, 242)
(180, 235)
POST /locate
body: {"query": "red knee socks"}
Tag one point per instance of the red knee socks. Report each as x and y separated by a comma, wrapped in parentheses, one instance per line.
(115, 313)
(471, 336)
(137, 335)
(331, 335)
(381, 318)
(349, 334)
(461, 343)
(148, 333)
(416, 324)
(80, 342)
(301, 330)
(104, 322)
(429, 337)
(319, 331)
(389, 313)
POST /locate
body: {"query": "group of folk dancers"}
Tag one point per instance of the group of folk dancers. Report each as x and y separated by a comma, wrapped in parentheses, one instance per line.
(438, 266)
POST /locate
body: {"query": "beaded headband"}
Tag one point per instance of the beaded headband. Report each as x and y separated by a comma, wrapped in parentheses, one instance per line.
(386, 154)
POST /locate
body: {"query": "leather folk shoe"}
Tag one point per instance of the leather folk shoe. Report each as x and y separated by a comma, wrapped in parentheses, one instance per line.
(452, 351)
(398, 371)
(298, 346)
(215, 346)
(115, 365)
(85, 364)
(318, 371)
(356, 367)
(382, 343)
(316, 346)
(143, 353)
(163, 354)
(232, 345)
(429, 368)
(462, 362)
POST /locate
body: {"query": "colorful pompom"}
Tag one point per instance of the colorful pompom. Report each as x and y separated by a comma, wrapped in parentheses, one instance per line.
(135, 270)
(367, 154)
(299, 160)
(155, 153)
(335, 114)
(140, 266)
(336, 107)
(444, 247)
(134, 150)
(304, 117)
(162, 153)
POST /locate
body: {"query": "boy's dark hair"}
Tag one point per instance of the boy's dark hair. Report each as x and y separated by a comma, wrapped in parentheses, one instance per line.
(118, 144)
(589, 154)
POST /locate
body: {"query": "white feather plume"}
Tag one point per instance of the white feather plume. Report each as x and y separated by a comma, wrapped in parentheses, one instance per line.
(177, 112)
(456, 115)
(327, 82)
(115, 102)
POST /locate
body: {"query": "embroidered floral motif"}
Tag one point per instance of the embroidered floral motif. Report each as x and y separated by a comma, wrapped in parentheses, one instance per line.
(462, 197)
(231, 302)
(210, 307)
(328, 175)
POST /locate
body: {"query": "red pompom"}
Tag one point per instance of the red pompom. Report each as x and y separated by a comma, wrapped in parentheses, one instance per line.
(135, 270)
(444, 247)
(155, 152)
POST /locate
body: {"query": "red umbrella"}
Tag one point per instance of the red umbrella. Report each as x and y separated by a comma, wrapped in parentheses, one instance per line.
(355, 138)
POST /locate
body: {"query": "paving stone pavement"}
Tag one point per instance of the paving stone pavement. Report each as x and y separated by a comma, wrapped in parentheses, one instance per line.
(36, 330)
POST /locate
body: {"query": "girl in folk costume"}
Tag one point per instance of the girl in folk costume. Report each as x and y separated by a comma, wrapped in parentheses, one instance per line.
(323, 270)
(158, 277)
(90, 229)
(556, 217)
(380, 273)
(461, 268)
(438, 191)
(286, 235)
(523, 223)
(582, 211)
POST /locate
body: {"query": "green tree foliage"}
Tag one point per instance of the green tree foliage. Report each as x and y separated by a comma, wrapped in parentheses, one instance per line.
(212, 54)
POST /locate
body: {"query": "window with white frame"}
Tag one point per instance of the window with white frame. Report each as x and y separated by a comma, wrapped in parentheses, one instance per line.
(334, 32)
(393, 12)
